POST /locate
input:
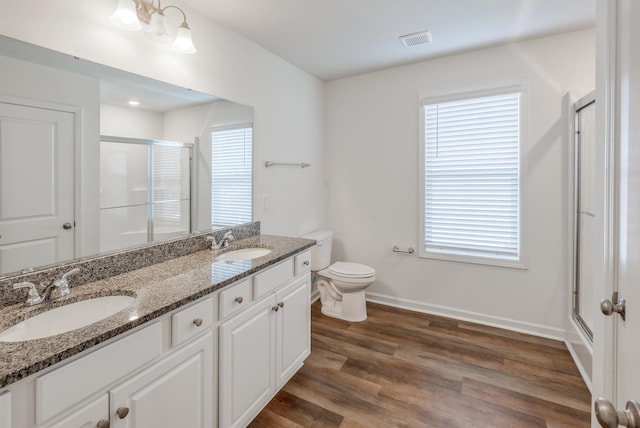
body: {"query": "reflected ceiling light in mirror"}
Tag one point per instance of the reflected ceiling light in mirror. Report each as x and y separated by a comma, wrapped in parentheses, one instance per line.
(129, 14)
(133, 103)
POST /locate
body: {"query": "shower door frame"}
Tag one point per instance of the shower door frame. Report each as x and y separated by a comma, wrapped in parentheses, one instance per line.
(581, 104)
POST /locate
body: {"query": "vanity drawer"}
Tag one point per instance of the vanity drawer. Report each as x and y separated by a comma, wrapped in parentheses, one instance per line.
(234, 298)
(191, 321)
(62, 388)
(273, 278)
(302, 262)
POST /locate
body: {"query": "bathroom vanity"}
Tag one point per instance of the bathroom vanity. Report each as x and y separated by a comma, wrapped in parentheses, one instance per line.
(205, 343)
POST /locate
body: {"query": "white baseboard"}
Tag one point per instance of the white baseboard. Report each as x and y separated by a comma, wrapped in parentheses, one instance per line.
(578, 362)
(489, 320)
(315, 296)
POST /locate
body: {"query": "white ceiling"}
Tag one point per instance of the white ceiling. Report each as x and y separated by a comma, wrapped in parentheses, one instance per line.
(331, 39)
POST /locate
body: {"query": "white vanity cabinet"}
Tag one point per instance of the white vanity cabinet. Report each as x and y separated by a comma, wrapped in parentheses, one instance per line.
(92, 415)
(5, 410)
(262, 346)
(160, 375)
(176, 392)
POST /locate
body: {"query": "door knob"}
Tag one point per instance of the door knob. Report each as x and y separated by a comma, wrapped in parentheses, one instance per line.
(608, 307)
(67, 225)
(609, 417)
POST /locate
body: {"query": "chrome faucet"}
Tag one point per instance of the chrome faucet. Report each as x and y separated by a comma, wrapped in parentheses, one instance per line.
(224, 242)
(55, 290)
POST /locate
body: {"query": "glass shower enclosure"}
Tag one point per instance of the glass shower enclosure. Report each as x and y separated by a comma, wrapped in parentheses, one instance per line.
(145, 191)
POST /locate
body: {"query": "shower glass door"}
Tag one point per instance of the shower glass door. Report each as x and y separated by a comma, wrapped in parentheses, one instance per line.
(584, 301)
(145, 191)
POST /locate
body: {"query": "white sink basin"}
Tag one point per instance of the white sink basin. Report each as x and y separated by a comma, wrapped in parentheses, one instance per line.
(243, 254)
(66, 318)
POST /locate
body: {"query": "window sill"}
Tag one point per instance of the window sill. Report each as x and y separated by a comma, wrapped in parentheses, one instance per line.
(512, 264)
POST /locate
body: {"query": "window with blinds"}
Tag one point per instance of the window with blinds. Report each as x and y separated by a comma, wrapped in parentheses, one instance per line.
(231, 175)
(471, 183)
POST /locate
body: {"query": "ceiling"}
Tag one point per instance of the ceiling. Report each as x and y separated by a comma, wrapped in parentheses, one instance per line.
(332, 39)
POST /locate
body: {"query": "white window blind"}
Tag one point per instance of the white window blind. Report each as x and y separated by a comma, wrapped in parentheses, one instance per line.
(472, 177)
(231, 175)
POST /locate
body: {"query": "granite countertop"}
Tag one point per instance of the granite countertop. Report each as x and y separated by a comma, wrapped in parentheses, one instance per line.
(158, 289)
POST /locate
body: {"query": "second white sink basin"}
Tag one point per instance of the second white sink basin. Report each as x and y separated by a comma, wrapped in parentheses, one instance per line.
(66, 318)
(243, 254)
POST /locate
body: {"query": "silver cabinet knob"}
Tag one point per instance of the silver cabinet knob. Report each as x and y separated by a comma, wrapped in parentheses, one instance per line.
(281, 304)
(306, 262)
(102, 424)
(67, 225)
(609, 417)
(197, 322)
(239, 299)
(122, 412)
(275, 308)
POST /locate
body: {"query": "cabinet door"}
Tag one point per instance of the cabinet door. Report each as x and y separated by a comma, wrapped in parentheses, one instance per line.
(89, 416)
(5, 410)
(247, 352)
(293, 328)
(176, 392)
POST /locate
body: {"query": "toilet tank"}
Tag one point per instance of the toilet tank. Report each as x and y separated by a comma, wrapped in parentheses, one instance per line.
(320, 253)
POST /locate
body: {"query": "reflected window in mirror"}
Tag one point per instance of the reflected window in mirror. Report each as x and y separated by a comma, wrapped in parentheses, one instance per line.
(231, 175)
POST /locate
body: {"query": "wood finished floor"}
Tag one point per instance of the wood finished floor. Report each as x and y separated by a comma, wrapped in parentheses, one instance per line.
(406, 369)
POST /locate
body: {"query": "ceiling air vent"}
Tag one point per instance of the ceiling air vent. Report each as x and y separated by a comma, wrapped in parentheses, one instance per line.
(415, 39)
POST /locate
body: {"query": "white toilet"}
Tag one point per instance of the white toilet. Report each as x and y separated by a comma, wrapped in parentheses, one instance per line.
(341, 285)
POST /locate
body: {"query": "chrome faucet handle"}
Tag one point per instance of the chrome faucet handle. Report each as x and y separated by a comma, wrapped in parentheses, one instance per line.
(33, 298)
(62, 284)
(71, 272)
(214, 244)
(228, 237)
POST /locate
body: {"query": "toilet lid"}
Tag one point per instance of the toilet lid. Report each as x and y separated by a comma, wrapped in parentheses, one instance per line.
(351, 270)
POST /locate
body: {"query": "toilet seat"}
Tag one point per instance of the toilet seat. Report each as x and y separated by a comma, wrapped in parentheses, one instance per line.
(351, 270)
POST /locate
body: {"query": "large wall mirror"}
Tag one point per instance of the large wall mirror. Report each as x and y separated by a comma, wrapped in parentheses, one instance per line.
(95, 159)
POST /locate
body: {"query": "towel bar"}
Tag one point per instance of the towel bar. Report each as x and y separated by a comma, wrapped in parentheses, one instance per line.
(397, 249)
(301, 164)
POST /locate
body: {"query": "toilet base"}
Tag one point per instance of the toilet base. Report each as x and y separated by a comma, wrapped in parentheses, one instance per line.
(353, 307)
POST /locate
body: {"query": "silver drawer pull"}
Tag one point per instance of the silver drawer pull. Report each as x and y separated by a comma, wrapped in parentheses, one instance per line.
(281, 304)
(197, 322)
(239, 299)
(306, 262)
(275, 308)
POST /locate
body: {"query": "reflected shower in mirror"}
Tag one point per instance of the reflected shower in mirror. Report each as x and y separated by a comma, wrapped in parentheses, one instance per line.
(69, 185)
(586, 200)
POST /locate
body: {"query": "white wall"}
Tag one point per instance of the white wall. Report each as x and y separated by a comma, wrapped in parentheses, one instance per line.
(287, 101)
(116, 121)
(372, 135)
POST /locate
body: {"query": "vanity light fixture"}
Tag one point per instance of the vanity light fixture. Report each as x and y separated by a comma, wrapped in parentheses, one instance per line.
(130, 13)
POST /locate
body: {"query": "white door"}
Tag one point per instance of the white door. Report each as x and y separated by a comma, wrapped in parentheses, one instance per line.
(246, 365)
(293, 328)
(36, 186)
(617, 371)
